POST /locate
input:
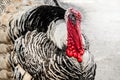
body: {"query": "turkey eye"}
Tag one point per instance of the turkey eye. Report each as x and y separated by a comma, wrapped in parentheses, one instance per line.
(72, 18)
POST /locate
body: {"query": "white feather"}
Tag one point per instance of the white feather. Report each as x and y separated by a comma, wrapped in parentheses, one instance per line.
(58, 33)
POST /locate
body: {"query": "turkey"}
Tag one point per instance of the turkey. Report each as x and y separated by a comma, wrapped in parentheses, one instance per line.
(49, 44)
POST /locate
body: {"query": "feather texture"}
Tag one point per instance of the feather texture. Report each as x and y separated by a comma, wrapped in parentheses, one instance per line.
(39, 48)
(43, 60)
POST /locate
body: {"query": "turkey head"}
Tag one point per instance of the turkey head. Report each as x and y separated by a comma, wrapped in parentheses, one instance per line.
(67, 33)
(74, 37)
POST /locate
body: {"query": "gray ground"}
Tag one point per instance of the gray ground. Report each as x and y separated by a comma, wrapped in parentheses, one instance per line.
(102, 26)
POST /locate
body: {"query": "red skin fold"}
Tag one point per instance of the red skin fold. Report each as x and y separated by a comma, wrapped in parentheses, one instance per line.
(74, 44)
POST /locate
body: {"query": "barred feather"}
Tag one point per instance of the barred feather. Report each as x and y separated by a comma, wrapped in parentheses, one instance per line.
(36, 18)
(40, 57)
(38, 54)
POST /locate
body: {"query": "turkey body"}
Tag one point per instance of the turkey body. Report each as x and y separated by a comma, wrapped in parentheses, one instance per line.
(45, 61)
(38, 54)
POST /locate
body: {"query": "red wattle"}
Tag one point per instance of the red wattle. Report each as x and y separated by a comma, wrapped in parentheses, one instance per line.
(79, 56)
(81, 52)
(69, 54)
(75, 55)
(79, 59)
(74, 44)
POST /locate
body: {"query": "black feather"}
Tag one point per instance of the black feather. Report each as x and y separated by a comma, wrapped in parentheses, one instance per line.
(37, 18)
(42, 16)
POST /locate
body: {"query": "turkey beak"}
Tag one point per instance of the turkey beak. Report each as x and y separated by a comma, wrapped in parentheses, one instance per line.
(72, 18)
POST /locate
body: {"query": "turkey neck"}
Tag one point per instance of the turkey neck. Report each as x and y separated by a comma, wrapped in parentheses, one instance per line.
(74, 40)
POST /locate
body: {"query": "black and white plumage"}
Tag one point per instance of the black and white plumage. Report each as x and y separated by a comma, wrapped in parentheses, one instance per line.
(44, 60)
(40, 43)
(35, 18)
